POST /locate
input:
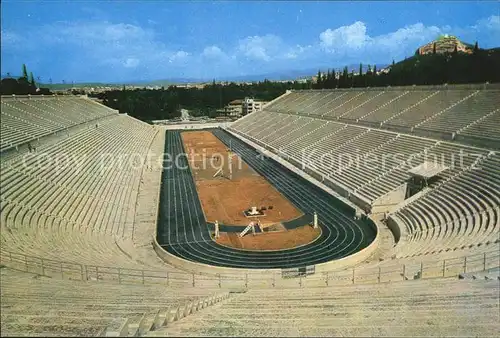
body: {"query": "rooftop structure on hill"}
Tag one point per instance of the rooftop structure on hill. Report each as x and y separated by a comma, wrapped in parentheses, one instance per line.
(445, 44)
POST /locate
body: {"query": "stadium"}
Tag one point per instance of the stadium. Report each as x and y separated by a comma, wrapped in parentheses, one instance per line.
(250, 169)
(104, 233)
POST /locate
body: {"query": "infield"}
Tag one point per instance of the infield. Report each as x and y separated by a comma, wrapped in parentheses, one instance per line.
(225, 199)
(273, 240)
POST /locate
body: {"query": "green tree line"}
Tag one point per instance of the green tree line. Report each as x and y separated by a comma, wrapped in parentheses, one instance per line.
(166, 103)
(432, 69)
(23, 85)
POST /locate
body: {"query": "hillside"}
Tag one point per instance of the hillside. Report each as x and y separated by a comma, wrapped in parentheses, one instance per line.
(454, 67)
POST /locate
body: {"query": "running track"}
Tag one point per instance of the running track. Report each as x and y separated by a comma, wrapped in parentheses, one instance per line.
(184, 232)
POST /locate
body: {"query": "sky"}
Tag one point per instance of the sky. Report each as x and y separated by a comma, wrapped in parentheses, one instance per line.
(120, 41)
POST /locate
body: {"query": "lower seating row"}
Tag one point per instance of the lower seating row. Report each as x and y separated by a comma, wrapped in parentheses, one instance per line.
(415, 308)
(38, 306)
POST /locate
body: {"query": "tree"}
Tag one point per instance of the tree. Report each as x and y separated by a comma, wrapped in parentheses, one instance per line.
(328, 79)
(434, 48)
(374, 80)
(25, 72)
(343, 81)
(32, 80)
(368, 76)
(360, 69)
(455, 50)
(476, 48)
(334, 79)
(319, 83)
(331, 80)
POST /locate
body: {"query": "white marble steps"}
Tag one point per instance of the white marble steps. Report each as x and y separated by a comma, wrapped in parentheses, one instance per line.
(30, 302)
(27, 119)
(445, 307)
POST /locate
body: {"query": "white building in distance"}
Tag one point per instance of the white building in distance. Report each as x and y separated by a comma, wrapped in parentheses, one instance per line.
(249, 105)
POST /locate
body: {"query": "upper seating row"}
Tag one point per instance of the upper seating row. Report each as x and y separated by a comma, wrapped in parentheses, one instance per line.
(444, 113)
(30, 118)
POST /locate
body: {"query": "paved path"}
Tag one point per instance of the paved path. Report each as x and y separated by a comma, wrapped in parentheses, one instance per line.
(183, 230)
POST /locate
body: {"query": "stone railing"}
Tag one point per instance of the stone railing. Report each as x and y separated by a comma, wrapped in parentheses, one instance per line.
(241, 278)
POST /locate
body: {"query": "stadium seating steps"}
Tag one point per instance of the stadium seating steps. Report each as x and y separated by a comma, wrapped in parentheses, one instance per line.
(104, 215)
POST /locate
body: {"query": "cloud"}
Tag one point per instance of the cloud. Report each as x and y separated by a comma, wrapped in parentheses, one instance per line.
(411, 35)
(298, 52)
(97, 32)
(119, 45)
(268, 48)
(486, 31)
(354, 43)
(120, 50)
(213, 52)
(131, 63)
(354, 40)
(178, 56)
(260, 48)
(11, 39)
(352, 36)
(491, 23)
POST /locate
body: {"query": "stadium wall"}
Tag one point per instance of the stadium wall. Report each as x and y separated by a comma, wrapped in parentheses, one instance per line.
(195, 126)
(394, 223)
(211, 270)
(390, 201)
(433, 134)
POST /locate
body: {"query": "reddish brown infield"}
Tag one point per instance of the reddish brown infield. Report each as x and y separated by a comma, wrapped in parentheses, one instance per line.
(225, 199)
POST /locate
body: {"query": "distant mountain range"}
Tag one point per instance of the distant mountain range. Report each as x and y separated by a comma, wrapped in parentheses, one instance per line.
(285, 75)
(291, 75)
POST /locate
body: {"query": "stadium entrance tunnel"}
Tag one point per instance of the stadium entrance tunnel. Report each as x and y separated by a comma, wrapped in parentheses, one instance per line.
(184, 232)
